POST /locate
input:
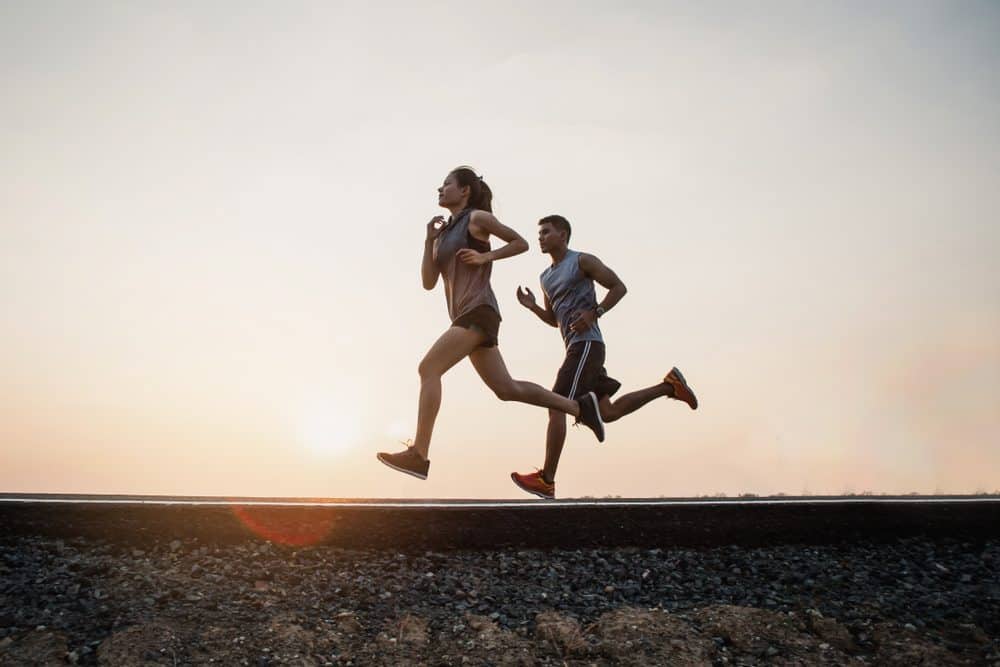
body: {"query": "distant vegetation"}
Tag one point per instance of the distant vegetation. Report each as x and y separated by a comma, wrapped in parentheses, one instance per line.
(849, 494)
(806, 494)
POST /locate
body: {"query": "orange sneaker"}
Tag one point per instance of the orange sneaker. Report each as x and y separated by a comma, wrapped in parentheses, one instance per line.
(533, 483)
(682, 392)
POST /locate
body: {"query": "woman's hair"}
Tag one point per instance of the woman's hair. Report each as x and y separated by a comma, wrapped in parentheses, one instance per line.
(480, 195)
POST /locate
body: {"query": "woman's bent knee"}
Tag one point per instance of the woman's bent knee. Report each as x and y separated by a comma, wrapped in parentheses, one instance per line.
(428, 370)
(506, 392)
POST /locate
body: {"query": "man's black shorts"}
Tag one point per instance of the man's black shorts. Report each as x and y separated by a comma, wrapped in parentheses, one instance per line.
(583, 371)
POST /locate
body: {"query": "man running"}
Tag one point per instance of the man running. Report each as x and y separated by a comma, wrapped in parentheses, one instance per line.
(571, 304)
(457, 252)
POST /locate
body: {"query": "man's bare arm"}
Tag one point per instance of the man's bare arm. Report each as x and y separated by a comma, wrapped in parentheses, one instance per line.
(595, 269)
(527, 299)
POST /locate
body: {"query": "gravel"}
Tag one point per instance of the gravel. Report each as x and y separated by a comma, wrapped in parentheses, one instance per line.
(257, 603)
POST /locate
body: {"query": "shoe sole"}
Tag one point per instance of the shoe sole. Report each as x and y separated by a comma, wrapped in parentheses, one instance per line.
(676, 372)
(405, 470)
(597, 411)
(531, 491)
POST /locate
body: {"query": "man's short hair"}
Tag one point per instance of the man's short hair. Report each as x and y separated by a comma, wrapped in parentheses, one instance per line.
(559, 222)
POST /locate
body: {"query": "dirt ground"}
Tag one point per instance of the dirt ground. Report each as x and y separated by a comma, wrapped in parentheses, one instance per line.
(182, 602)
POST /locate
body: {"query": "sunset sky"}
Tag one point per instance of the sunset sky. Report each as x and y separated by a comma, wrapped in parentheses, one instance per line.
(212, 219)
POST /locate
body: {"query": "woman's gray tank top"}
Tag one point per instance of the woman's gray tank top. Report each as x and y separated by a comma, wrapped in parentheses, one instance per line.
(570, 290)
(465, 286)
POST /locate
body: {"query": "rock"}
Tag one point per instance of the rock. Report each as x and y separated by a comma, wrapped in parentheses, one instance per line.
(501, 647)
(131, 645)
(480, 623)
(639, 636)
(832, 633)
(41, 648)
(323, 604)
(896, 647)
(348, 623)
(561, 631)
(970, 632)
(412, 630)
(761, 632)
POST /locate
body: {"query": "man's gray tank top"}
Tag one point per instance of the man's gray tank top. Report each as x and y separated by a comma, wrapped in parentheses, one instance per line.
(465, 286)
(570, 290)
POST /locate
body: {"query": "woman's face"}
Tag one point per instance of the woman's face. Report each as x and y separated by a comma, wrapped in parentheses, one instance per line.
(451, 193)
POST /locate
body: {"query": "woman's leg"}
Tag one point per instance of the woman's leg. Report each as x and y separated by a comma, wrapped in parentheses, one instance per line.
(454, 345)
(491, 368)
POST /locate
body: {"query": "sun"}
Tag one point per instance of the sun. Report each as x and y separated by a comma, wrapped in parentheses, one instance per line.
(329, 427)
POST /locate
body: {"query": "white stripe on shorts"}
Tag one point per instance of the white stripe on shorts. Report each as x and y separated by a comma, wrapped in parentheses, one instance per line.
(579, 369)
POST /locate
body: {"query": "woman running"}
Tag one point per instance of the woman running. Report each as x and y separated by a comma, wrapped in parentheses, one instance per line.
(458, 250)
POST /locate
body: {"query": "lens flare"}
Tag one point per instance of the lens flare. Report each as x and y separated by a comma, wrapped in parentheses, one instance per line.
(291, 526)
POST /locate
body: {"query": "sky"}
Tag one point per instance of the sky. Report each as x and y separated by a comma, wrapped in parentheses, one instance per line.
(212, 219)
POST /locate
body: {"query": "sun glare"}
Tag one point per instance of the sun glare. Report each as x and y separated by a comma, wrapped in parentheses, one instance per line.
(330, 427)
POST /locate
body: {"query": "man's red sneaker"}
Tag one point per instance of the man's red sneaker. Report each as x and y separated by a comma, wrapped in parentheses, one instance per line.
(682, 392)
(533, 483)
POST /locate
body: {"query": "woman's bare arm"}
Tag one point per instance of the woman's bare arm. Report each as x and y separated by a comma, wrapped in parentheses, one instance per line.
(481, 226)
(428, 269)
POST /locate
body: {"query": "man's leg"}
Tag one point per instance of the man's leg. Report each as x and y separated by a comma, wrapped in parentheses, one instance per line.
(542, 482)
(612, 410)
(555, 438)
(674, 386)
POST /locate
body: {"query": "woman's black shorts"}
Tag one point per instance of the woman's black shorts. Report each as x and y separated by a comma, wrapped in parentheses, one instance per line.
(485, 320)
(583, 371)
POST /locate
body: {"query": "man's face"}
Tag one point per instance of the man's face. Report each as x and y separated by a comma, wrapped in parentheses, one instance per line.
(550, 238)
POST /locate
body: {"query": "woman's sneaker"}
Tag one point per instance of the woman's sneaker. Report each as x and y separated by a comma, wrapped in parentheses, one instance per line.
(682, 392)
(590, 414)
(408, 461)
(534, 483)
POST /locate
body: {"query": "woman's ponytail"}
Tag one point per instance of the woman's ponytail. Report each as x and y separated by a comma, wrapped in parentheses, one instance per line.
(480, 195)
